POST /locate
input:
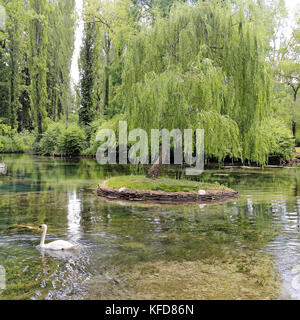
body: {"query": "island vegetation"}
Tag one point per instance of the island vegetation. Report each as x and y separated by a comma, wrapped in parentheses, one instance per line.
(163, 184)
(163, 190)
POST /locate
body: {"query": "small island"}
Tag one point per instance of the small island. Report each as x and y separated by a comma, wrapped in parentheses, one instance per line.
(163, 190)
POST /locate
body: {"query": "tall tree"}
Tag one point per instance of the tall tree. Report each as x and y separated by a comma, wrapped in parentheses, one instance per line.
(38, 61)
(114, 24)
(61, 20)
(15, 27)
(204, 66)
(14, 51)
(36, 50)
(287, 65)
(87, 58)
(4, 70)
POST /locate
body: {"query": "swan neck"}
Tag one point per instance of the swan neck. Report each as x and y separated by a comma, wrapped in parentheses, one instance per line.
(42, 243)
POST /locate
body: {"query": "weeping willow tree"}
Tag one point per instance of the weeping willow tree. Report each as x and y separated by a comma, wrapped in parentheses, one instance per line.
(61, 19)
(204, 67)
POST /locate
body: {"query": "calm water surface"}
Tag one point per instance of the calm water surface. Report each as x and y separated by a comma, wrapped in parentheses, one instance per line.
(61, 193)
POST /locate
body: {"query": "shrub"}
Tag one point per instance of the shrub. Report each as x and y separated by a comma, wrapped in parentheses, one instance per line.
(49, 142)
(71, 141)
(6, 144)
(23, 141)
(6, 133)
(10, 141)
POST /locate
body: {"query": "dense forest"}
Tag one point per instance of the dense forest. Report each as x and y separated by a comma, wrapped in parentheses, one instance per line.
(224, 66)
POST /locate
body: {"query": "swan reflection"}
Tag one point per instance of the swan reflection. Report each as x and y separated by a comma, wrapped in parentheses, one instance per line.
(63, 255)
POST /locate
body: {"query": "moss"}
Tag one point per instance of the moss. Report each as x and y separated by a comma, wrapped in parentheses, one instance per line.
(162, 184)
(227, 278)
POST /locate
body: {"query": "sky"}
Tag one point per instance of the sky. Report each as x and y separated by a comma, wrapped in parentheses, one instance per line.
(77, 46)
(292, 5)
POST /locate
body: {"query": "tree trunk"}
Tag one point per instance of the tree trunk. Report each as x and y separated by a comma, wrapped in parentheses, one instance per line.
(106, 94)
(67, 99)
(154, 171)
(294, 122)
(294, 129)
(22, 116)
(107, 53)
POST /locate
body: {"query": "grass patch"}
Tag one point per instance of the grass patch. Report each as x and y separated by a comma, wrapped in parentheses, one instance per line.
(162, 184)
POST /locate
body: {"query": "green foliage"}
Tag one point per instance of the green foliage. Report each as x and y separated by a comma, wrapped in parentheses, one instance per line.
(59, 140)
(287, 61)
(71, 141)
(87, 64)
(161, 184)
(36, 47)
(6, 130)
(18, 142)
(6, 144)
(110, 124)
(224, 144)
(271, 137)
(6, 136)
(38, 29)
(23, 141)
(204, 65)
(49, 141)
(201, 67)
(91, 129)
(61, 22)
(17, 18)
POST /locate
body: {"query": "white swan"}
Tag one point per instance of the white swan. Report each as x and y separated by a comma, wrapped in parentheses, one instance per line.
(55, 245)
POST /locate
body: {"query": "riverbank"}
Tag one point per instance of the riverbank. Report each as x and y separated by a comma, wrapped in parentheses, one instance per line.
(229, 163)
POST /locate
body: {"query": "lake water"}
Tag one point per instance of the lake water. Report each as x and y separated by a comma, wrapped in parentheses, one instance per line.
(128, 251)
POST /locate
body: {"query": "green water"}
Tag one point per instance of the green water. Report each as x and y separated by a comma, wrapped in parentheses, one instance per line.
(113, 236)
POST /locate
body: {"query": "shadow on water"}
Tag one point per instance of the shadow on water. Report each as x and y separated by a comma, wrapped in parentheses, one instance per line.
(225, 250)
